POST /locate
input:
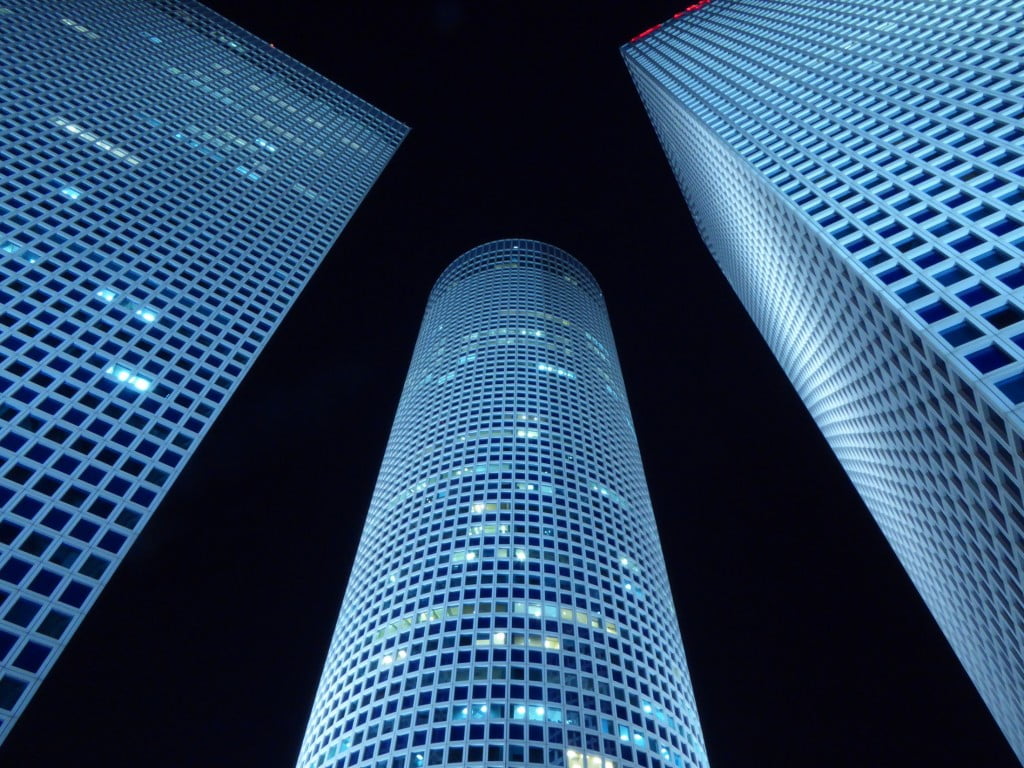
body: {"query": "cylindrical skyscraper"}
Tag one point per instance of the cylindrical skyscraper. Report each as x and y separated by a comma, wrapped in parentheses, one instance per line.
(509, 603)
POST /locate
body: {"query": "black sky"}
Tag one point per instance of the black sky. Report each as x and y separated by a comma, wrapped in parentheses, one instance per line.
(808, 646)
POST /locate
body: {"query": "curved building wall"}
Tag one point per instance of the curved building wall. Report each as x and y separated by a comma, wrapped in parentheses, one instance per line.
(509, 603)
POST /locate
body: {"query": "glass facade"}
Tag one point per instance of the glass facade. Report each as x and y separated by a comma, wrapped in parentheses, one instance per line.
(168, 184)
(855, 169)
(509, 603)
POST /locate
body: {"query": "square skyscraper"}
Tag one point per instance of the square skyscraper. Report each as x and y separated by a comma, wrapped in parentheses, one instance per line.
(855, 169)
(169, 184)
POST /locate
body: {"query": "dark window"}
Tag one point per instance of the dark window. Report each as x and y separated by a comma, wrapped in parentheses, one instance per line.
(989, 358)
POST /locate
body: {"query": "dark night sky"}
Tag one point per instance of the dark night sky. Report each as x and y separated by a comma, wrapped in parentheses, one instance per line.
(808, 646)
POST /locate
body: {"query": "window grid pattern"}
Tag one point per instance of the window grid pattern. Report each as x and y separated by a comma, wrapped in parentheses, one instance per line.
(168, 184)
(855, 170)
(509, 603)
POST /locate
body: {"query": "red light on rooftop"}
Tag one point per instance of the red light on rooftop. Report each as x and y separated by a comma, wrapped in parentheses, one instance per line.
(691, 8)
(688, 9)
(646, 32)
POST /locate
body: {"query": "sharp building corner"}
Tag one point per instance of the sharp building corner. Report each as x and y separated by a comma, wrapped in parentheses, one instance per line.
(855, 170)
(169, 184)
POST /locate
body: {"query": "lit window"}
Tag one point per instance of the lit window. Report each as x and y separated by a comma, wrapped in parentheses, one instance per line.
(555, 370)
(576, 759)
(119, 372)
(106, 294)
(148, 314)
(125, 375)
(71, 193)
